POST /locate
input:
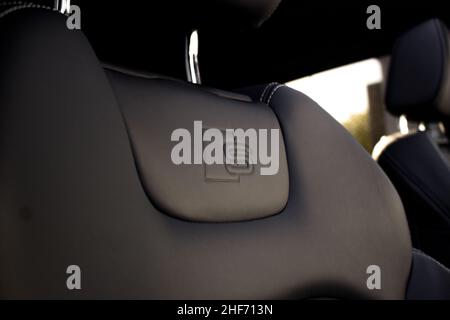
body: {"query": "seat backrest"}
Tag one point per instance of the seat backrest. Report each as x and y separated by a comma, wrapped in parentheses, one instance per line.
(419, 88)
(87, 180)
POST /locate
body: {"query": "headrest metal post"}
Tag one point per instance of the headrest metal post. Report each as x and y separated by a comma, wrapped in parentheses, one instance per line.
(192, 66)
(62, 6)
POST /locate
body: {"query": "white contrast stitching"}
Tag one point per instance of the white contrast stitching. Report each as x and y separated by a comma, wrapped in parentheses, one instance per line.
(11, 3)
(19, 5)
(265, 90)
(25, 6)
(273, 92)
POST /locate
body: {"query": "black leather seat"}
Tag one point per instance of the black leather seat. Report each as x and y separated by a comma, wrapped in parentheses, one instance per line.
(87, 180)
(418, 163)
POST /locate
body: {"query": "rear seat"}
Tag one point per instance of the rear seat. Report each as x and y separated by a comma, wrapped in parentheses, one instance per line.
(417, 163)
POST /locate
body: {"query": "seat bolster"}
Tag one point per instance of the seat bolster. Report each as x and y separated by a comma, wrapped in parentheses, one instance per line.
(415, 161)
(327, 163)
(430, 280)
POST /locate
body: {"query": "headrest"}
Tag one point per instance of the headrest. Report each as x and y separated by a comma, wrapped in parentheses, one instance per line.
(241, 13)
(418, 83)
(186, 14)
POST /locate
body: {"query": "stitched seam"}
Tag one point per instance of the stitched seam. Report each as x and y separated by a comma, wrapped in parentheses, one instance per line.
(261, 98)
(424, 255)
(23, 3)
(19, 5)
(273, 92)
(11, 3)
(25, 6)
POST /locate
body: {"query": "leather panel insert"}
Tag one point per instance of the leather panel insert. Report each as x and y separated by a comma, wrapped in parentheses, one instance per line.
(200, 192)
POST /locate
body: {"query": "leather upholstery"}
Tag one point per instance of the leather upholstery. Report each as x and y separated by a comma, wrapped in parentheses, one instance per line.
(418, 82)
(429, 279)
(234, 12)
(149, 105)
(71, 193)
(421, 174)
(419, 87)
(430, 182)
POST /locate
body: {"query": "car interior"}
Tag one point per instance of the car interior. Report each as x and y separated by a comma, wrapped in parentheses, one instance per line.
(94, 96)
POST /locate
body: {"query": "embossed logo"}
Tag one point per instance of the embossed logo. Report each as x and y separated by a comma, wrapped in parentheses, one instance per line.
(230, 172)
(227, 154)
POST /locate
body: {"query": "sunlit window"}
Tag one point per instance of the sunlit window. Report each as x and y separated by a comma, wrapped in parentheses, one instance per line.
(343, 93)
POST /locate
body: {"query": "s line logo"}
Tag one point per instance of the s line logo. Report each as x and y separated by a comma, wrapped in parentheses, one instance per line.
(237, 149)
